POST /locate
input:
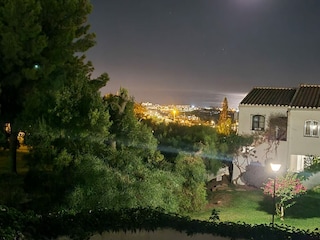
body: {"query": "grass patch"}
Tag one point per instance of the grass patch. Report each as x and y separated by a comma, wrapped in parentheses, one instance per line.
(239, 204)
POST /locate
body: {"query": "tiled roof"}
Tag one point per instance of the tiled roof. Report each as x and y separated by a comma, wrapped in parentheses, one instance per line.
(305, 96)
(269, 96)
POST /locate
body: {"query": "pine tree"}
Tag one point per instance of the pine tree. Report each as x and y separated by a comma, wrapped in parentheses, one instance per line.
(41, 44)
(225, 122)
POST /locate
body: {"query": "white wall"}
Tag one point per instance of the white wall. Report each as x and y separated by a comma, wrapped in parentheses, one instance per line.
(264, 154)
(299, 144)
(264, 151)
(246, 112)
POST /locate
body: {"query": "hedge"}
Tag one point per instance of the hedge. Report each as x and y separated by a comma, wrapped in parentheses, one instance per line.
(29, 225)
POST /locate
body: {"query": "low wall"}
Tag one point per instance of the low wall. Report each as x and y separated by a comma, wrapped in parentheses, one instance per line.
(165, 234)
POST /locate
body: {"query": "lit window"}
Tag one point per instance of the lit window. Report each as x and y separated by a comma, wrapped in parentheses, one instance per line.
(258, 122)
(311, 128)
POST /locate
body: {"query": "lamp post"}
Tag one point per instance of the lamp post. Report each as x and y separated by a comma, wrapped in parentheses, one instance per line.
(275, 168)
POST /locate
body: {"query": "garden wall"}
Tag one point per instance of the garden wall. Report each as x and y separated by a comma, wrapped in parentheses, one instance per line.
(164, 234)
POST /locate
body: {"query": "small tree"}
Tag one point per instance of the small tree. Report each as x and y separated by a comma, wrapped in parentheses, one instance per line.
(287, 188)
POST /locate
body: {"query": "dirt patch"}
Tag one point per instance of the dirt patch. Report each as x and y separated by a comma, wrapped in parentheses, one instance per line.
(220, 193)
(214, 185)
(245, 188)
(219, 199)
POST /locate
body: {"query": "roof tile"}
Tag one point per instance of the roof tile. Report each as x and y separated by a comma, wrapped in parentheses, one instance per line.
(269, 96)
(305, 96)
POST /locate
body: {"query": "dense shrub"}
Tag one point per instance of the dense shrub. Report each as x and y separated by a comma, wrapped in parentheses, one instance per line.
(83, 225)
(12, 194)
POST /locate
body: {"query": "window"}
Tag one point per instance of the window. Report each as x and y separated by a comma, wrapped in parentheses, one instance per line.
(311, 128)
(258, 122)
(277, 128)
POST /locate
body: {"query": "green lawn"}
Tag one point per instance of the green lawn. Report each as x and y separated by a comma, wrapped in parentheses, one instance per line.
(253, 207)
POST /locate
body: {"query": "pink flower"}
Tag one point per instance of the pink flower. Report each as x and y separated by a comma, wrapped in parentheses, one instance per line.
(286, 188)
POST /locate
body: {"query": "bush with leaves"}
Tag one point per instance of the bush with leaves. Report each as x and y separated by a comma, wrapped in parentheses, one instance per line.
(286, 188)
(314, 164)
(192, 169)
(214, 216)
(17, 225)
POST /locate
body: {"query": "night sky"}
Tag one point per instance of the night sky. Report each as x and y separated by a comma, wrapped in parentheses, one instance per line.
(200, 51)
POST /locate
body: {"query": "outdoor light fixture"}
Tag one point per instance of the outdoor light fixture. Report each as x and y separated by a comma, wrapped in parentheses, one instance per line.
(275, 168)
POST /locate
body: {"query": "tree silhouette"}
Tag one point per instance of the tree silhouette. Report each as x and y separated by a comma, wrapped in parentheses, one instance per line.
(225, 122)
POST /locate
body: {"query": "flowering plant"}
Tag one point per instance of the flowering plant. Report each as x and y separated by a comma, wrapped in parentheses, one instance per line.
(287, 187)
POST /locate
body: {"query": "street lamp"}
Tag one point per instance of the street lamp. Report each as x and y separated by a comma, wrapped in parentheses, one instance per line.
(275, 168)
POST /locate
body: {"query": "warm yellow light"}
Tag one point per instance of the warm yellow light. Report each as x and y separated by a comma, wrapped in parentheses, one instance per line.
(174, 114)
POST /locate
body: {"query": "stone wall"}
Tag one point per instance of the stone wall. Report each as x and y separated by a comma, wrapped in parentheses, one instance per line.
(164, 234)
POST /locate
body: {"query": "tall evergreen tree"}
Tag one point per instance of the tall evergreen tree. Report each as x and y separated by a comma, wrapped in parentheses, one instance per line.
(39, 40)
(225, 122)
(67, 141)
(224, 112)
(21, 44)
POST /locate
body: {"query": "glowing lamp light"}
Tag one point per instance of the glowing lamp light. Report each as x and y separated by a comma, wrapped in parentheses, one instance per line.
(275, 167)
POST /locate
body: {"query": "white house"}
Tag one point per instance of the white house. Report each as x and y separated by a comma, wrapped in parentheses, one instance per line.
(285, 123)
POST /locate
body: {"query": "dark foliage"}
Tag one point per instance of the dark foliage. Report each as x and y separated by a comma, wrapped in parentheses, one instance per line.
(86, 223)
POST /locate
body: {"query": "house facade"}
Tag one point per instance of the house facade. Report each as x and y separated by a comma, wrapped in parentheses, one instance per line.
(285, 125)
